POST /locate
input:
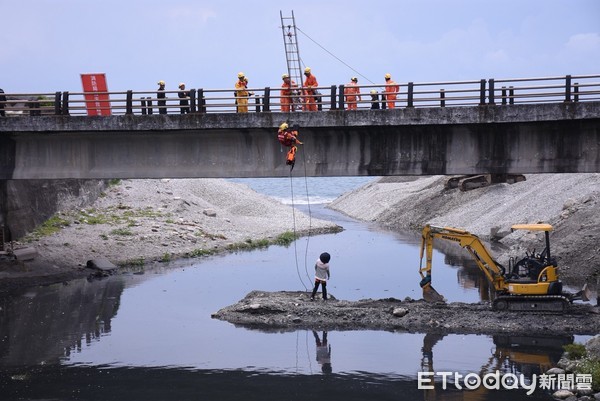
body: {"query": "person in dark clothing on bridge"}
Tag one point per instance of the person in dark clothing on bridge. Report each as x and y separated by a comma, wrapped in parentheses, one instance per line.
(184, 96)
(374, 100)
(160, 95)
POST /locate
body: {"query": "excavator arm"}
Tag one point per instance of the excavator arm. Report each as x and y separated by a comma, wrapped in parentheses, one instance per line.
(536, 289)
(492, 269)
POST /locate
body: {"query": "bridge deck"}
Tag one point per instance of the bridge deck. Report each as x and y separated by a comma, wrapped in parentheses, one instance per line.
(536, 138)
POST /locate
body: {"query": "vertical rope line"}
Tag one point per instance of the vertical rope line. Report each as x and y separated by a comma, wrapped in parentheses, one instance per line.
(309, 218)
(295, 235)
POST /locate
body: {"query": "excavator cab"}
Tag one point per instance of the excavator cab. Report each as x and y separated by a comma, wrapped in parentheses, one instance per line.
(533, 263)
(536, 273)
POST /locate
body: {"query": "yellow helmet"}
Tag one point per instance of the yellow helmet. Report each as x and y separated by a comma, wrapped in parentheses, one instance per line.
(284, 76)
(181, 85)
(373, 91)
(283, 126)
(241, 75)
(354, 79)
(388, 76)
(162, 83)
(307, 70)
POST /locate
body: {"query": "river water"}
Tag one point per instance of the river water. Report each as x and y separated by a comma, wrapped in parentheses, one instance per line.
(150, 336)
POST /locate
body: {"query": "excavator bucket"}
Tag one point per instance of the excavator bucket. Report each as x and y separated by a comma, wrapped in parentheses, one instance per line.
(584, 294)
(431, 295)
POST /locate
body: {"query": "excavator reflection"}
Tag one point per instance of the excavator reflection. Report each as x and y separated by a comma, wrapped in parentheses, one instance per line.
(511, 354)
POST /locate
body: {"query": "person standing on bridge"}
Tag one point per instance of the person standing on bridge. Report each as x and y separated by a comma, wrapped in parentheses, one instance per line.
(184, 96)
(374, 100)
(391, 91)
(351, 90)
(241, 93)
(287, 91)
(160, 95)
(310, 90)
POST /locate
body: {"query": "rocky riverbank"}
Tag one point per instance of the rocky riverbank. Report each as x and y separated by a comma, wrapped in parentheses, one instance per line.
(144, 222)
(290, 311)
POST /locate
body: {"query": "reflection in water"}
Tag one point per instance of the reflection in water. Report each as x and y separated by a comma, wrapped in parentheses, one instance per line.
(512, 354)
(323, 352)
(47, 323)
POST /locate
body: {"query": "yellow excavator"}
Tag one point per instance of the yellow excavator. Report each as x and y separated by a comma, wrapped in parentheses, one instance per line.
(529, 284)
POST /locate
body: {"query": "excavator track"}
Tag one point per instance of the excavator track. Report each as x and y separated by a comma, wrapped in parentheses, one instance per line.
(532, 303)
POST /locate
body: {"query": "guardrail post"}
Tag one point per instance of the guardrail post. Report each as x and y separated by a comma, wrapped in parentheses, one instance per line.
(65, 103)
(143, 105)
(149, 104)
(201, 101)
(482, 92)
(340, 98)
(57, 100)
(129, 102)
(567, 89)
(410, 97)
(511, 95)
(319, 101)
(257, 103)
(2, 112)
(442, 98)
(504, 95)
(576, 92)
(334, 96)
(267, 99)
(192, 100)
(491, 90)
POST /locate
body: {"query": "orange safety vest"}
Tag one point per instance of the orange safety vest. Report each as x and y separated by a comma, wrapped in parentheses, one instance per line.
(309, 84)
(287, 138)
(286, 89)
(391, 87)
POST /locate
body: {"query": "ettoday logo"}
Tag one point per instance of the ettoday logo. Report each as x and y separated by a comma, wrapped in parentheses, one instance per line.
(503, 381)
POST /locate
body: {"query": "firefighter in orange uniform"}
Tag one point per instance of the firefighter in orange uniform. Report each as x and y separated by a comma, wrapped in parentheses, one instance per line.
(241, 93)
(289, 137)
(286, 93)
(310, 85)
(351, 90)
(391, 90)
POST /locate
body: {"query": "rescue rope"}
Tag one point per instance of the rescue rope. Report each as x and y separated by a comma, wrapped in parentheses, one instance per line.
(309, 218)
(295, 235)
(309, 226)
(334, 56)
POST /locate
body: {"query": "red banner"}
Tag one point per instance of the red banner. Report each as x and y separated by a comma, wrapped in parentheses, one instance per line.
(95, 93)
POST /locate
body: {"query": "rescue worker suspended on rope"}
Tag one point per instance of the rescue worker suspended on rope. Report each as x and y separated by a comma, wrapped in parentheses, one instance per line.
(289, 137)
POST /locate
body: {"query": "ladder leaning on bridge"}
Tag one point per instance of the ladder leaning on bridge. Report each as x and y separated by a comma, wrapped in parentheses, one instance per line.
(292, 52)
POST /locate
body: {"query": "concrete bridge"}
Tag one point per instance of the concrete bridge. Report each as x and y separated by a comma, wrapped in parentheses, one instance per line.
(561, 137)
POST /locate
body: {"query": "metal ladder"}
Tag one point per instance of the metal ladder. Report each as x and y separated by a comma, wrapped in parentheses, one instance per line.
(292, 52)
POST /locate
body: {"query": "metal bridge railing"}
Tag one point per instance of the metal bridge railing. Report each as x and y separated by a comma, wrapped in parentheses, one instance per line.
(576, 88)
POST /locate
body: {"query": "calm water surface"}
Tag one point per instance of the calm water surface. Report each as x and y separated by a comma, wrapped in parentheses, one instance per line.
(150, 336)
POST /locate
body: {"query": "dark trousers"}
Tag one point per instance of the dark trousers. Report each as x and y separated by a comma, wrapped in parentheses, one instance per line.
(323, 287)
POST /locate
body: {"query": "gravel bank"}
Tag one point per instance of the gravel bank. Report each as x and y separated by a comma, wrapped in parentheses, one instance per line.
(290, 311)
(146, 221)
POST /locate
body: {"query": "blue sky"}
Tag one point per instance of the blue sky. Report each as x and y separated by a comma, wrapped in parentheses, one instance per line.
(48, 43)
